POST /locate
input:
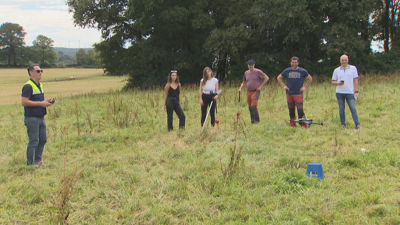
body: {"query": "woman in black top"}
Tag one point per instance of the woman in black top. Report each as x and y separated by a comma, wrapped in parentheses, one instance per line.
(171, 100)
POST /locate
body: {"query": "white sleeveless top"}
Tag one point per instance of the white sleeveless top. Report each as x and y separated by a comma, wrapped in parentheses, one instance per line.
(210, 85)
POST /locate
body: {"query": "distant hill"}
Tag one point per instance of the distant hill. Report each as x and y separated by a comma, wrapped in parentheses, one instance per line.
(68, 51)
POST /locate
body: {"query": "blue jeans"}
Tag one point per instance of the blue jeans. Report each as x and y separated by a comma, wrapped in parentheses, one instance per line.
(351, 101)
(36, 128)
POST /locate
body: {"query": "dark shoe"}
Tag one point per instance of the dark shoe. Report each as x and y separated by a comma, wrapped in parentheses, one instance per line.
(32, 164)
(358, 126)
(257, 117)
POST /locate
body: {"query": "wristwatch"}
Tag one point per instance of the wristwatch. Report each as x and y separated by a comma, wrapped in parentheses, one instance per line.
(356, 92)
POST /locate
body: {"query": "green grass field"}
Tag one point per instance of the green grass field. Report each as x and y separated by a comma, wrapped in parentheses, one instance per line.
(113, 149)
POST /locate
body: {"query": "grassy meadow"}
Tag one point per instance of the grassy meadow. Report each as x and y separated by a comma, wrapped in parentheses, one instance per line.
(110, 159)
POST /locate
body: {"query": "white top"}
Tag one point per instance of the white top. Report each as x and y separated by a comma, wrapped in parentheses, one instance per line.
(210, 85)
(348, 75)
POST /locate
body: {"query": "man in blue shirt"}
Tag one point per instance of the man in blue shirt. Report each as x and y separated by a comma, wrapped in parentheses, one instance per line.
(35, 105)
(294, 88)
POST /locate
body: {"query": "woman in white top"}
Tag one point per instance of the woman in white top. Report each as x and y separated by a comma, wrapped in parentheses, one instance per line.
(208, 88)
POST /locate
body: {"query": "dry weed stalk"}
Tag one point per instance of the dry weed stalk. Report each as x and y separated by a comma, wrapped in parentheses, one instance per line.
(89, 118)
(61, 201)
(77, 117)
(335, 146)
(235, 156)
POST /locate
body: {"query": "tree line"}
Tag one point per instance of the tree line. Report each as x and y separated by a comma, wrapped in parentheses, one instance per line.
(148, 38)
(14, 53)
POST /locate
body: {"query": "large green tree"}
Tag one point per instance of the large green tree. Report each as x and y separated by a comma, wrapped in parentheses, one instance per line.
(348, 23)
(387, 21)
(231, 35)
(80, 57)
(3, 57)
(286, 28)
(12, 37)
(27, 55)
(64, 59)
(45, 53)
(316, 31)
(86, 58)
(147, 38)
(91, 58)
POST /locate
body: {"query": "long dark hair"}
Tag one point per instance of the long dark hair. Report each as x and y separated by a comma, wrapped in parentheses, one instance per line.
(169, 80)
(205, 76)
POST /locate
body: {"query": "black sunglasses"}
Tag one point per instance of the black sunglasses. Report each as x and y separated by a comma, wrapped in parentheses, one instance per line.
(39, 71)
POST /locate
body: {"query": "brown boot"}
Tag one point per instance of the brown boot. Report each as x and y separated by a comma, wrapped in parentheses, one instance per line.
(292, 123)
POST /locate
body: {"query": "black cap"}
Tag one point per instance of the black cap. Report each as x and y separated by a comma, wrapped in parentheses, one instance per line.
(251, 62)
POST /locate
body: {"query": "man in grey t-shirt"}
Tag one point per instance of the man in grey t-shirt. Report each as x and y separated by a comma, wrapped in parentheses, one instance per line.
(252, 79)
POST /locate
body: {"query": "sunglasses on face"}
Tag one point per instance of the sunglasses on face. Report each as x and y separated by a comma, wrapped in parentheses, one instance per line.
(39, 71)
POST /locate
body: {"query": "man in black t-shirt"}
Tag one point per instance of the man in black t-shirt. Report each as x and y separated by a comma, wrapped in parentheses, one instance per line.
(294, 88)
(35, 105)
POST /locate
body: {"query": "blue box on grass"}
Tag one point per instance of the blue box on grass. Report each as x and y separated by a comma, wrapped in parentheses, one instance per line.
(315, 170)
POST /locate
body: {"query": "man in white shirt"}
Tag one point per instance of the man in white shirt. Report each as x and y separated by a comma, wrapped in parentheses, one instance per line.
(345, 78)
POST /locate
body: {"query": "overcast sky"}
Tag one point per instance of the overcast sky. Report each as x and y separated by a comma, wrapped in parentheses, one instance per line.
(49, 18)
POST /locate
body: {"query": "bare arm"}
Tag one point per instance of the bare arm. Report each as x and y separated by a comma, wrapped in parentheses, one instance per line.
(266, 78)
(216, 89)
(356, 88)
(29, 103)
(309, 80)
(244, 83)
(201, 93)
(337, 83)
(280, 81)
